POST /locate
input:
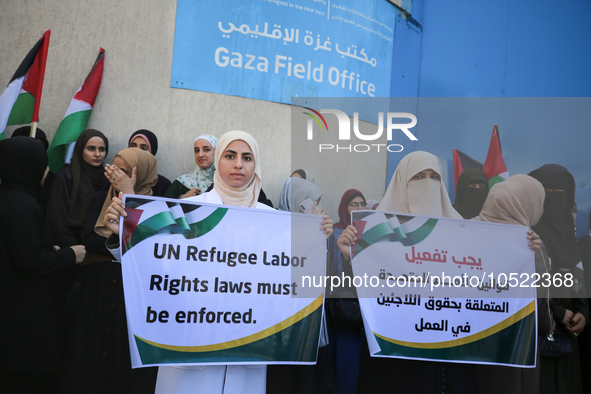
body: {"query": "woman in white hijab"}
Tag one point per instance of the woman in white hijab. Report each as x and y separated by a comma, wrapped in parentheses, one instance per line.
(196, 182)
(416, 188)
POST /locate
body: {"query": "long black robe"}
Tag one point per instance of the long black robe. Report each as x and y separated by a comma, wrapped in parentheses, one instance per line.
(29, 268)
(97, 353)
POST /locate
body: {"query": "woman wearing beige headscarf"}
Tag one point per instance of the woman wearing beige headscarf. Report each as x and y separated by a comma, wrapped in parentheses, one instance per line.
(97, 348)
(518, 200)
(416, 188)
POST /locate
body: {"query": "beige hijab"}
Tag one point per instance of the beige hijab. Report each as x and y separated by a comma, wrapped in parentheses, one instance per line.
(146, 178)
(247, 195)
(398, 198)
(517, 200)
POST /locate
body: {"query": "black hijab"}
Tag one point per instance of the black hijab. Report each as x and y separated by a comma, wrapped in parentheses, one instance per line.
(150, 136)
(469, 201)
(22, 164)
(86, 179)
(556, 228)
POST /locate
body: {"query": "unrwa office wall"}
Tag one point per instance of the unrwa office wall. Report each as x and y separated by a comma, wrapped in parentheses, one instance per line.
(138, 37)
(455, 49)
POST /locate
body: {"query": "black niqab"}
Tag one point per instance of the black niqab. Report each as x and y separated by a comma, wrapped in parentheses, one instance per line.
(469, 201)
(556, 228)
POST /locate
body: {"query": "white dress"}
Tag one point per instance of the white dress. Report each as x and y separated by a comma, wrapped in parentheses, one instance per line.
(211, 379)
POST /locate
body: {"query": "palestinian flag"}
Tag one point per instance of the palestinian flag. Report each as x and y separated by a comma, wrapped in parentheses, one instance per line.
(77, 115)
(19, 104)
(463, 162)
(494, 165)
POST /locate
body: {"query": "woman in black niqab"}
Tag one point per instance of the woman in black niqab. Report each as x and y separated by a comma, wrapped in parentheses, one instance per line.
(556, 228)
(570, 310)
(29, 268)
(471, 192)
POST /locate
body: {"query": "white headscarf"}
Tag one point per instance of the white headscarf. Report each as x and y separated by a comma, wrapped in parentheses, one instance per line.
(247, 195)
(201, 178)
(424, 197)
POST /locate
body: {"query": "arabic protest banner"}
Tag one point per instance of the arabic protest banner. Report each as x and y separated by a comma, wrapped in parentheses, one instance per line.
(274, 50)
(446, 289)
(209, 284)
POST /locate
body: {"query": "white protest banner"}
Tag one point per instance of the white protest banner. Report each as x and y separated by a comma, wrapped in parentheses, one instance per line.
(209, 284)
(446, 289)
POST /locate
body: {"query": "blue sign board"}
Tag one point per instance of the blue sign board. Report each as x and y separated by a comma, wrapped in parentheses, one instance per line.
(275, 50)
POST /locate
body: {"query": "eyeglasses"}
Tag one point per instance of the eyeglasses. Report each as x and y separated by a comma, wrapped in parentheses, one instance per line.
(358, 204)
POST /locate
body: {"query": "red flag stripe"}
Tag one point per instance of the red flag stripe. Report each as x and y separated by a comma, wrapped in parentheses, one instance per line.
(494, 163)
(34, 81)
(89, 89)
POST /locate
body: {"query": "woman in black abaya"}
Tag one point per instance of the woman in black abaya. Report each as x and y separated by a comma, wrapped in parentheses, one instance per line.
(570, 310)
(29, 268)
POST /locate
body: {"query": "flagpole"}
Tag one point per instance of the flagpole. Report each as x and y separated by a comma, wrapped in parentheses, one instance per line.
(33, 129)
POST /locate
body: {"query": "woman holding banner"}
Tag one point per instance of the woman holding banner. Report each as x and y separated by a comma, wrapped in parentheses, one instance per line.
(416, 188)
(97, 351)
(518, 200)
(237, 181)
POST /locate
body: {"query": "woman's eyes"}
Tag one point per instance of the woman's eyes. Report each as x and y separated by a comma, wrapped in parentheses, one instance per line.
(229, 156)
(93, 148)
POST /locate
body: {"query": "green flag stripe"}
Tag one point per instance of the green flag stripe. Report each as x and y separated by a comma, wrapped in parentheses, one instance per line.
(419, 234)
(71, 127)
(155, 223)
(149, 227)
(22, 110)
(204, 226)
(382, 230)
(494, 180)
(67, 132)
(183, 224)
(377, 232)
